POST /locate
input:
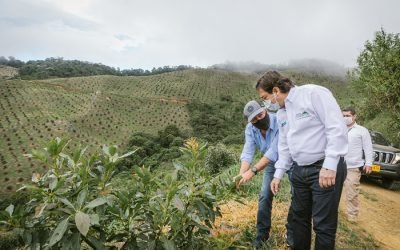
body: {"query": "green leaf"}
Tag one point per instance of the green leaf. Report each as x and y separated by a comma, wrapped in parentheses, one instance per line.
(66, 202)
(113, 150)
(59, 232)
(10, 209)
(81, 197)
(94, 219)
(82, 222)
(127, 154)
(39, 155)
(72, 242)
(53, 180)
(95, 243)
(179, 204)
(27, 237)
(96, 202)
(168, 244)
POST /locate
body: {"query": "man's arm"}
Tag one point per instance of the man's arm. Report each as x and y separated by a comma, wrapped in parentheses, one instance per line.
(284, 161)
(368, 151)
(330, 115)
(248, 174)
(248, 151)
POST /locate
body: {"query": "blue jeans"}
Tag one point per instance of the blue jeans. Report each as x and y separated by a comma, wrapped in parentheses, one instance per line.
(265, 206)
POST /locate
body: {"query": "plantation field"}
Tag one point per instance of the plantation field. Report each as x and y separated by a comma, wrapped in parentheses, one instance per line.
(109, 109)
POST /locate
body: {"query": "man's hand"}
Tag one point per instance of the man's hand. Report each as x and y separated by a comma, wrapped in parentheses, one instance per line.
(275, 185)
(246, 176)
(327, 178)
(367, 169)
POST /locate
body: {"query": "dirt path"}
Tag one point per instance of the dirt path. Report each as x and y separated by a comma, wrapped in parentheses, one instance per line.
(380, 214)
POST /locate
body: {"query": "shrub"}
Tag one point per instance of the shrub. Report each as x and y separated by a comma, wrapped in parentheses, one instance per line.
(218, 158)
(75, 202)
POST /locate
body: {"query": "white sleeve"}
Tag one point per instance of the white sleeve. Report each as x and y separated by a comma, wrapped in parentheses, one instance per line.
(367, 147)
(285, 161)
(329, 113)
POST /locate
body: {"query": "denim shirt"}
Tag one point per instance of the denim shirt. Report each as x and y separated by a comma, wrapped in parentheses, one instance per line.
(254, 139)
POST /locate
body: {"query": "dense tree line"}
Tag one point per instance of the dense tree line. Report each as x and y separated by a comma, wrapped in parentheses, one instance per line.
(218, 122)
(377, 78)
(58, 67)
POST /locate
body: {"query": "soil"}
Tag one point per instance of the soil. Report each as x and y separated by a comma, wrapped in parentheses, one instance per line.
(379, 213)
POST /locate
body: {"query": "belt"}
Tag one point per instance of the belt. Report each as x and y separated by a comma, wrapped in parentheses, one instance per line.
(317, 163)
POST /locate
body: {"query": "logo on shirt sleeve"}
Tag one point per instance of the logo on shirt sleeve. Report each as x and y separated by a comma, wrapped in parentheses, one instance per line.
(283, 124)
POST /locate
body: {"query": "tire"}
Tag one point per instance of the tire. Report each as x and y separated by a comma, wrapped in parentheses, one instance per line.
(390, 184)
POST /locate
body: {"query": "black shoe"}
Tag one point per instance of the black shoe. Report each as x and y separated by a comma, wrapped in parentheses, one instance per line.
(289, 243)
(260, 241)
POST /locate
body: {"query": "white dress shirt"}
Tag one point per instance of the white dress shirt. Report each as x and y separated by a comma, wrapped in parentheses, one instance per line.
(359, 141)
(311, 128)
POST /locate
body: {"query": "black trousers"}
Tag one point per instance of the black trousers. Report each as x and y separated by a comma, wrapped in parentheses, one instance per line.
(310, 201)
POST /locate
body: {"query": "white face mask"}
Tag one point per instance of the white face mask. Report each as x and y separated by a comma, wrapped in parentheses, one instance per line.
(348, 120)
(272, 106)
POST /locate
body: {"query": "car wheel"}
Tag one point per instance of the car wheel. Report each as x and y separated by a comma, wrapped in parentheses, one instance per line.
(389, 184)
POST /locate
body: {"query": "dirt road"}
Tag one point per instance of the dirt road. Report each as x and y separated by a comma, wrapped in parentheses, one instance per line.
(380, 214)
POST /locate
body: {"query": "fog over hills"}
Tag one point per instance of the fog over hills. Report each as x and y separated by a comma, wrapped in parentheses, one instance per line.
(310, 65)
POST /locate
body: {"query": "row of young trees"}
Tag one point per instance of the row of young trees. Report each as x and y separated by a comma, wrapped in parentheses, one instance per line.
(58, 67)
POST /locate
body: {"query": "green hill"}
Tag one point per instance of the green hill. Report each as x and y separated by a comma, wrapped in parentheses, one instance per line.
(109, 109)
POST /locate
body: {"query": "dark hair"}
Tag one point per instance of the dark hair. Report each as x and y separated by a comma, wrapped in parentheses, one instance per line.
(273, 79)
(349, 109)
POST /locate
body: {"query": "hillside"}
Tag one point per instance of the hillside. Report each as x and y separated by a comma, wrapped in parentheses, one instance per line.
(109, 109)
(7, 72)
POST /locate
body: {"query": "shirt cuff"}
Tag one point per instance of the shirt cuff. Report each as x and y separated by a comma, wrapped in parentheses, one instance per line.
(331, 163)
(246, 159)
(279, 172)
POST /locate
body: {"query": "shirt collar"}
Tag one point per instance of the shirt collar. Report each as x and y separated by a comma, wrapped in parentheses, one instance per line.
(354, 125)
(292, 94)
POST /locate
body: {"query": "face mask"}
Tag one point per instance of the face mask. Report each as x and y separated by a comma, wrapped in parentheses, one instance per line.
(348, 120)
(263, 123)
(271, 106)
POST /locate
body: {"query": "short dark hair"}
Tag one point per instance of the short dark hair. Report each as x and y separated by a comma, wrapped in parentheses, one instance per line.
(349, 109)
(273, 79)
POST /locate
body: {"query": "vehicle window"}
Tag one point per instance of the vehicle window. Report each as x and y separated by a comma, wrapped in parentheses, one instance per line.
(377, 138)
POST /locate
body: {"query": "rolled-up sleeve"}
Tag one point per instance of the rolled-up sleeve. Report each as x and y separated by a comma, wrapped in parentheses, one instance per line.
(272, 152)
(249, 147)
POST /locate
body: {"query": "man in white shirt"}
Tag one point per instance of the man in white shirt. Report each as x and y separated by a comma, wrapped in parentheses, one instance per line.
(357, 159)
(312, 139)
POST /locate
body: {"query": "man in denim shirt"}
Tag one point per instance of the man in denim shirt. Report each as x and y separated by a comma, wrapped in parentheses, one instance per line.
(262, 133)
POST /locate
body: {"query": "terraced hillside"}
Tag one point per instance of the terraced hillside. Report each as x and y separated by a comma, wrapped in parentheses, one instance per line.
(100, 109)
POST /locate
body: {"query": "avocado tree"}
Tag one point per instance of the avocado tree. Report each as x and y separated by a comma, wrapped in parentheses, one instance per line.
(377, 77)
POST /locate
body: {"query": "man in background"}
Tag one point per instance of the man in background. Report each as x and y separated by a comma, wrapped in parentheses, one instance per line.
(358, 158)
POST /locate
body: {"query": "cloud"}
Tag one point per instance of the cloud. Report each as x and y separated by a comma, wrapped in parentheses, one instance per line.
(132, 34)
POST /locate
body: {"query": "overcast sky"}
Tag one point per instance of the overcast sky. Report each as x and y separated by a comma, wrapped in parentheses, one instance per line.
(143, 34)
